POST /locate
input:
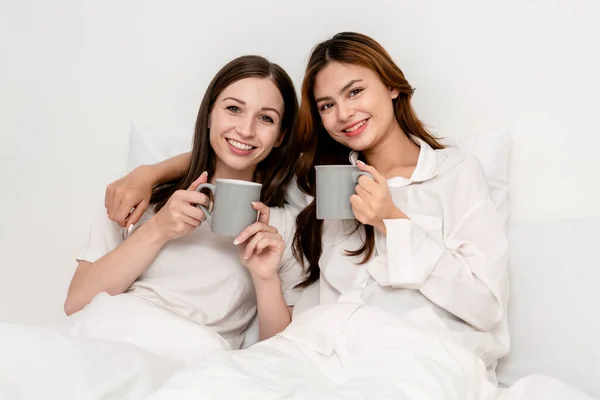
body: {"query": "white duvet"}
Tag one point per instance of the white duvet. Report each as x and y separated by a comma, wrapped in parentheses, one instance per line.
(341, 351)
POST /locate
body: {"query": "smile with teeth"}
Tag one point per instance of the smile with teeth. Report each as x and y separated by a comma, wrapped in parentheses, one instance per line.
(239, 145)
(355, 127)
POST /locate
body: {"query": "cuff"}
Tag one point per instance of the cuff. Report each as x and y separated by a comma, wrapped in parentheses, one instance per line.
(411, 255)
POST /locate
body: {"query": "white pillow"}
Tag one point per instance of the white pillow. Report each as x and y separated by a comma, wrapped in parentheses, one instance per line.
(147, 146)
(553, 311)
(492, 150)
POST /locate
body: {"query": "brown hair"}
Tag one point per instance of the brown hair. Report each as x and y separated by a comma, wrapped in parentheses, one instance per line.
(277, 169)
(320, 149)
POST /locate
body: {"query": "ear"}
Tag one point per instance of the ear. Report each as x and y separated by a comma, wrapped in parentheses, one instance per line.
(280, 140)
(394, 93)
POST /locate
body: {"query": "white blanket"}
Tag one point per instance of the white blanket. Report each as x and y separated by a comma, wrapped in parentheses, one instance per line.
(342, 351)
(349, 351)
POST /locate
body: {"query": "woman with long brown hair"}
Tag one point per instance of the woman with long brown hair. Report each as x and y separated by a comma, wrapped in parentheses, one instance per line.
(426, 234)
(244, 131)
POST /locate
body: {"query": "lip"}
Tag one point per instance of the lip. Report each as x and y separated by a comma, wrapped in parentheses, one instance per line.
(357, 131)
(237, 151)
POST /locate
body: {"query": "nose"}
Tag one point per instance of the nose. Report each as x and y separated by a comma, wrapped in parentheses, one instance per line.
(345, 112)
(245, 127)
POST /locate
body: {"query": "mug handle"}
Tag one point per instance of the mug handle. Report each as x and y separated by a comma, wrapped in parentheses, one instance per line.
(207, 213)
(358, 174)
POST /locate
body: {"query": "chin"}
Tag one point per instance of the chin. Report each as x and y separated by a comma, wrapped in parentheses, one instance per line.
(240, 166)
(359, 144)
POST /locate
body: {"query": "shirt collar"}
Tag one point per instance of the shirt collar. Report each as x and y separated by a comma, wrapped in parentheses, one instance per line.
(426, 169)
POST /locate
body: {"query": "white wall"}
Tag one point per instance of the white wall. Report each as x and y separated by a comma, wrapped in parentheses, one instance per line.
(74, 73)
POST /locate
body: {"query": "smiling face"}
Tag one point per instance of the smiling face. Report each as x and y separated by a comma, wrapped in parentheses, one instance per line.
(354, 105)
(245, 125)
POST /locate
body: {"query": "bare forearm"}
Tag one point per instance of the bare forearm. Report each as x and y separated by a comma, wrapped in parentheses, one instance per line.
(116, 271)
(170, 169)
(273, 313)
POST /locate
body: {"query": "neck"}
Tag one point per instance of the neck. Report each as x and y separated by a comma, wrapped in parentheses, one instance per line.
(224, 172)
(394, 155)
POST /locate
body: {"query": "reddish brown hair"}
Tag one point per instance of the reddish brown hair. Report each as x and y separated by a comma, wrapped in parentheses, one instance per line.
(320, 149)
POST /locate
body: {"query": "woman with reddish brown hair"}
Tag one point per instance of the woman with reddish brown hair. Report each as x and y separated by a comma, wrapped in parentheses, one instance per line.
(426, 235)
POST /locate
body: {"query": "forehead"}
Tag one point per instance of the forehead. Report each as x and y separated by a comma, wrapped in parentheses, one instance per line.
(336, 75)
(259, 92)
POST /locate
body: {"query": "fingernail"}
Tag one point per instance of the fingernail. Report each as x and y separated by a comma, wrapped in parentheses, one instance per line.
(254, 203)
(360, 162)
(236, 241)
(129, 229)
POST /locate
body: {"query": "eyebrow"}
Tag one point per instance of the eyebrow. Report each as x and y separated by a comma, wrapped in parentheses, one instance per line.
(342, 90)
(244, 103)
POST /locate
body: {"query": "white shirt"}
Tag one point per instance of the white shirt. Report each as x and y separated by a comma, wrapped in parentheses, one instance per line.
(199, 275)
(449, 256)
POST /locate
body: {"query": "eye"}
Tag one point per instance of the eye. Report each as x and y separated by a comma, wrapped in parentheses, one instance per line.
(326, 106)
(233, 109)
(266, 118)
(354, 92)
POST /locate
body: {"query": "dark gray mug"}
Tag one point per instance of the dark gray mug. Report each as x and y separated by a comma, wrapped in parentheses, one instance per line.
(335, 186)
(232, 210)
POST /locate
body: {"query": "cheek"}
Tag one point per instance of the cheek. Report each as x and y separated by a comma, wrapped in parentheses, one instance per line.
(221, 122)
(329, 122)
(269, 136)
(385, 107)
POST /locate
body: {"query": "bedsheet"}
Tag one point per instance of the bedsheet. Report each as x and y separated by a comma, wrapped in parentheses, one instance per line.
(340, 351)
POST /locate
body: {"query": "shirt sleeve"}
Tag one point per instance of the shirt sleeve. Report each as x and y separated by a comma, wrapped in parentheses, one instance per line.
(104, 236)
(464, 270)
(290, 271)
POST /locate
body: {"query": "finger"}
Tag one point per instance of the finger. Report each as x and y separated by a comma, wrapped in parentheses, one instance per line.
(137, 213)
(357, 207)
(271, 240)
(108, 195)
(252, 244)
(260, 246)
(367, 168)
(193, 222)
(252, 230)
(369, 184)
(193, 212)
(193, 197)
(125, 208)
(112, 209)
(260, 237)
(263, 210)
(110, 202)
(363, 193)
(357, 202)
(203, 178)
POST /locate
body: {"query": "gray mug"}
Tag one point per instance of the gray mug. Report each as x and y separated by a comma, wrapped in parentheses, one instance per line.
(335, 186)
(232, 210)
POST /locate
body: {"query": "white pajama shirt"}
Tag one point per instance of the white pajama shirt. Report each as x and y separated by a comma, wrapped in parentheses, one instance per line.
(450, 255)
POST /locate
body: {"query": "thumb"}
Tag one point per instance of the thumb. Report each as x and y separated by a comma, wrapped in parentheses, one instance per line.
(203, 178)
(137, 213)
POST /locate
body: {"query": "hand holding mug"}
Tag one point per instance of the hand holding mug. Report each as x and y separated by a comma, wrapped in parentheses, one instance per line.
(373, 201)
(261, 246)
(180, 215)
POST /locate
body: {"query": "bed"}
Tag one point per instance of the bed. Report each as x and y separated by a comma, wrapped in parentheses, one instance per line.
(363, 353)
